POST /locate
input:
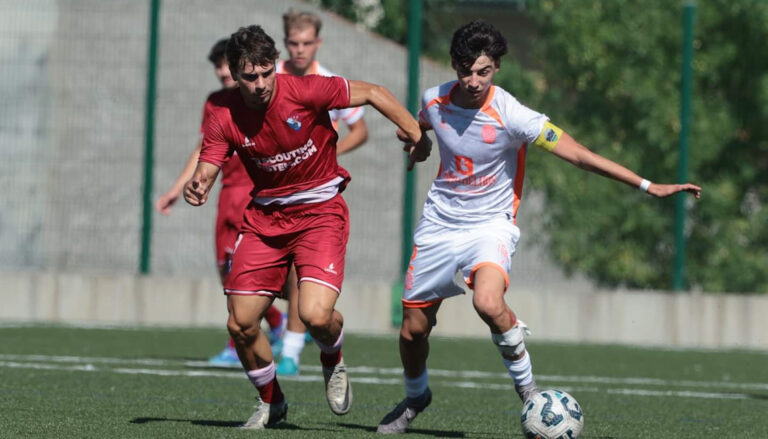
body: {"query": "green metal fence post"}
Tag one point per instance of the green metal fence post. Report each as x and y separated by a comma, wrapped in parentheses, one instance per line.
(689, 13)
(409, 186)
(149, 138)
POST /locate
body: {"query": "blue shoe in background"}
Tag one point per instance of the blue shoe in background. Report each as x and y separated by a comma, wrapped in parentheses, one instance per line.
(287, 367)
(277, 347)
(226, 358)
(275, 337)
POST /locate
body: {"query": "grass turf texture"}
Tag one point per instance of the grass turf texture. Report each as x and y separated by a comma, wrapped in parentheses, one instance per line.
(60, 381)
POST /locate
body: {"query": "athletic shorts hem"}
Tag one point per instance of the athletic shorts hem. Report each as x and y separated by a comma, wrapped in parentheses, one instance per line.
(420, 303)
(320, 282)
(471, 281)
(233, 292)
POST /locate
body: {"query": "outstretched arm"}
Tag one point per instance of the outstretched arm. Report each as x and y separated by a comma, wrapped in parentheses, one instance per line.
(169, 198)
(197, 188)
(381, 99)
(577, 154)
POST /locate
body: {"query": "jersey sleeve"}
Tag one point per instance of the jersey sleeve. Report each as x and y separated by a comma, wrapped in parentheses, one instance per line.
(215, 149)
(522, 122)
(327, 93)
(423, 115)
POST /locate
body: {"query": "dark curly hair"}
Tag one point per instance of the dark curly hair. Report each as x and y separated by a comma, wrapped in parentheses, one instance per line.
(250, 44)
(218, 52)
(475, 39)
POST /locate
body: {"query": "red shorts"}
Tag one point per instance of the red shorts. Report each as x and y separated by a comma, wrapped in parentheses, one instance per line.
(232, 203)
(311, 236)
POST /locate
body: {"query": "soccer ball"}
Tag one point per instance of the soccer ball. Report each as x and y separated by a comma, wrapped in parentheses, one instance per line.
(552, 414)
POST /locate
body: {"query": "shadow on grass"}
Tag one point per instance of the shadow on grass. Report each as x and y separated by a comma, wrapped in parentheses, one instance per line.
(435, 433)
(223, 424)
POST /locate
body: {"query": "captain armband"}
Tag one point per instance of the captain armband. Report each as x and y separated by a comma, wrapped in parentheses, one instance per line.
(550, 135)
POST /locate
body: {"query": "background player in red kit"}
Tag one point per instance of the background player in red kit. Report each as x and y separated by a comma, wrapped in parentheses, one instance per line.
(280, 127)
(235, 192)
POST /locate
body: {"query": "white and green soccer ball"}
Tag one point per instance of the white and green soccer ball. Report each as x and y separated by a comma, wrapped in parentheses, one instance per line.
(552, 414)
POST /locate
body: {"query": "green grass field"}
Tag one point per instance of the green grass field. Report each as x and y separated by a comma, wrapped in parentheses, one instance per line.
(60, 381)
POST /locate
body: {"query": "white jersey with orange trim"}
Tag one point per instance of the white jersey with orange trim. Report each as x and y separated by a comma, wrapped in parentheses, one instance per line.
(482, 155)
(347, 115)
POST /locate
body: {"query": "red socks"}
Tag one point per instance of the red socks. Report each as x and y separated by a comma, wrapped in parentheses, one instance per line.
(265, 381)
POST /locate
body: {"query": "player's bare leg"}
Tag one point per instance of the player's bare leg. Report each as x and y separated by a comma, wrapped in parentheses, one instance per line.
(294, 337)
(506, 331)
(228, 356)
(244, 325)
(414, 350)
(245, 314)
(316, 310)
(414, 338)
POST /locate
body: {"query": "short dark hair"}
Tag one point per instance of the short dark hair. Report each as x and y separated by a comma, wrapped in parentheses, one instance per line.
(218, 52)
(475, 39)
(250, 44)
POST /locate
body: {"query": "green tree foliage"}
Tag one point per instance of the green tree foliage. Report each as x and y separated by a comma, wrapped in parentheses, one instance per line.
(392, 20)
(611, 73)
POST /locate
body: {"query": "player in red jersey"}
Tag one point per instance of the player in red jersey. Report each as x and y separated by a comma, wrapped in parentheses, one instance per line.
(280, 127)
(234, 196)
(302, 41)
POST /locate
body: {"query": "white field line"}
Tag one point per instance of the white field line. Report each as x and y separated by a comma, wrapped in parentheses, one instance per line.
(86, 364)
(466, 374)
(367, 380)
(581, 379)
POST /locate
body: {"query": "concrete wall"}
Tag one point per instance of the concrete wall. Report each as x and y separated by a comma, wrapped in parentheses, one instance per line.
(72, 128)
(625, 317)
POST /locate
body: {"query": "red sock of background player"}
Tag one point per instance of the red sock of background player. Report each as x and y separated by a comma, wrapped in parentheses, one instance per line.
(274, 318)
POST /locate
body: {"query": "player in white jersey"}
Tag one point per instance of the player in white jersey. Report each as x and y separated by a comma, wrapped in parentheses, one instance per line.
(468, 221)
(302, 40)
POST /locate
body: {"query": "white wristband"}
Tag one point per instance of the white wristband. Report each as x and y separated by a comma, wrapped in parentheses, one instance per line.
(644, 185)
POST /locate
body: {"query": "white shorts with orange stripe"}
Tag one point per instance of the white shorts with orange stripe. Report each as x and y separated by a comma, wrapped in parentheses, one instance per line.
(440, 251)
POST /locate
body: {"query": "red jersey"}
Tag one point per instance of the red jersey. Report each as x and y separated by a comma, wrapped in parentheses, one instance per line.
(289, 147)
(232, 170)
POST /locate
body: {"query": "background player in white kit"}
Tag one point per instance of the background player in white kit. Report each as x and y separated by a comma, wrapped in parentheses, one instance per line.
(468, 221)
(302, 40)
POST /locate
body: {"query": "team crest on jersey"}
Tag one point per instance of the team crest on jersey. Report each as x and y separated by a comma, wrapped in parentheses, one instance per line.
(294, 122)
(489, 133)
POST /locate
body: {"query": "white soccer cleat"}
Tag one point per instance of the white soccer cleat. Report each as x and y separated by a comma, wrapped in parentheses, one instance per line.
(338, 391)
(266, 415)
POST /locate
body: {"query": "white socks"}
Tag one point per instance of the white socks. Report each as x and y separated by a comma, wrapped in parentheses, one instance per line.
(293, 344)
(520, 370)
(510, 345)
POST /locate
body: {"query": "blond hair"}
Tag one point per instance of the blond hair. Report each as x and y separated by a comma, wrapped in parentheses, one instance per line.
(301, 20)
